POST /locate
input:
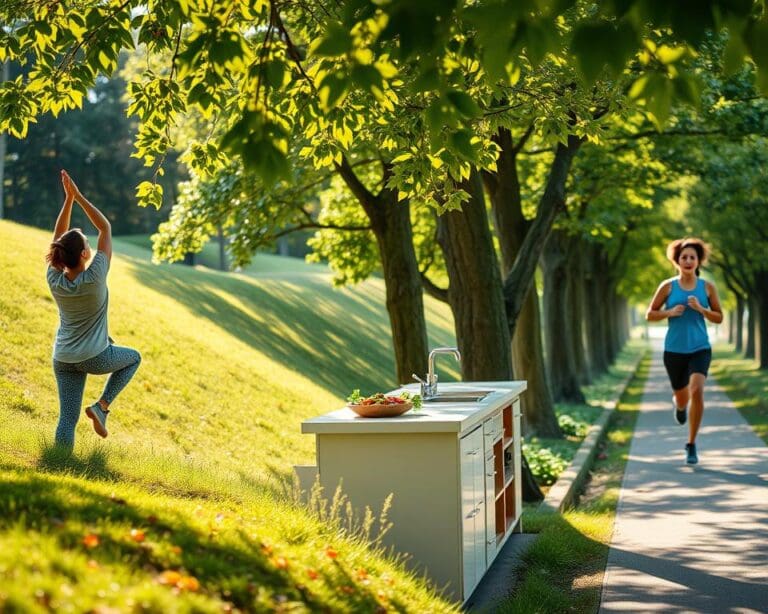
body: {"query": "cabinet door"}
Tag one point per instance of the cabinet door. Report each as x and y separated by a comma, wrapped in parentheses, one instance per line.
(492, 431)
(472, 474)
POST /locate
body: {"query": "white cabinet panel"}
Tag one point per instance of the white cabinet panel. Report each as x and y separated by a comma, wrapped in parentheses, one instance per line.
(472, 509)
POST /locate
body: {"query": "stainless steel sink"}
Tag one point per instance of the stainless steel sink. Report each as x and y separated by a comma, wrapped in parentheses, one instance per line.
(459, 396)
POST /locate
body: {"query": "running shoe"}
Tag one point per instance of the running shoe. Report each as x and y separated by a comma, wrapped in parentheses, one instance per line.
(690, 454)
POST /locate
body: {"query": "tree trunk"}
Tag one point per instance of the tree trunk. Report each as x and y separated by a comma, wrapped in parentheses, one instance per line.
(520, 277)
(476, 299)
(3, 143)
(391, 224)
(749, 350)
(576, 313)
(596, 334)
(761, 346)
(222, 248)
(739, 330)
(503, 188)
(560, 347)
(474, 291)
(731, 326)
(527, 360)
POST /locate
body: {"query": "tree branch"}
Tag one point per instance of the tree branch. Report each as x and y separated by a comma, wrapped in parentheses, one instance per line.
(435, 291)
(521, 275)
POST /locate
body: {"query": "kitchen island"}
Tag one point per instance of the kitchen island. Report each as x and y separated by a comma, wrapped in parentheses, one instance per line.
(453, 468)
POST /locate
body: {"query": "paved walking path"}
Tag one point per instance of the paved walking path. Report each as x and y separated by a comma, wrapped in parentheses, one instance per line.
(690, 538)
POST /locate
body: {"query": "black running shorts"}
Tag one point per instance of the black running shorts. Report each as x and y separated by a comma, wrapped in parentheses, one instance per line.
(681, 366)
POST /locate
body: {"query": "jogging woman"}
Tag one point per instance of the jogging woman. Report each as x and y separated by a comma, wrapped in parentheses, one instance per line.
(688, 302)
(82, 343)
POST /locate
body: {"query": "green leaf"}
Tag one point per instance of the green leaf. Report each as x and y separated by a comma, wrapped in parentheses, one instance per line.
(461, 143)
(337, 41)
(438, 116)
(734, 53)
(600, 44)
(367, 77)
(688, 89)
(427, 80)
(658, 99)
(332, 90)
(464, 103)
(275, 70)
(670, 55)
(756, 40)
(541, 38)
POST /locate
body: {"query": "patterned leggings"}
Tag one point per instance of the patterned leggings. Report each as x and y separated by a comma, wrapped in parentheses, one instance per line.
(121, 362)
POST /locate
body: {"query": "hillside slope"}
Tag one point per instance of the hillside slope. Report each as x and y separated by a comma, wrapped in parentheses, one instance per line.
(231, 364)
(187, 505)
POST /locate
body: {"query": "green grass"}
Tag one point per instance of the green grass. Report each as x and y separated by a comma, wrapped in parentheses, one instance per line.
(563, 568)
(746, 384)
(201, 445)
(262, 264)
(603, 391)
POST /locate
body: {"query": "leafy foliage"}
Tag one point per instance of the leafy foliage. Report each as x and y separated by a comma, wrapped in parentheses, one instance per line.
(268, 74)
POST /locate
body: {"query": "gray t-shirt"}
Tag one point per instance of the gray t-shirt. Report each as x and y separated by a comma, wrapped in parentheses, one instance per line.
(82, 305)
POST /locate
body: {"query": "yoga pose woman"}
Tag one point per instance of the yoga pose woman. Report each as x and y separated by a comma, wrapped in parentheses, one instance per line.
(82, 343)
(687, 352)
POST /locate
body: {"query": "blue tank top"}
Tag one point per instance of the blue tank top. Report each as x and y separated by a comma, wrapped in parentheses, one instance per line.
(687, 333)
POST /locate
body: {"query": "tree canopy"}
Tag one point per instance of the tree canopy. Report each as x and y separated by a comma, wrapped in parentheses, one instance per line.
(268, 73)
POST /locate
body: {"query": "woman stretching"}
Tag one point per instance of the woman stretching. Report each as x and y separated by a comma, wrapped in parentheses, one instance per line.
(687, 353)
(82, 343)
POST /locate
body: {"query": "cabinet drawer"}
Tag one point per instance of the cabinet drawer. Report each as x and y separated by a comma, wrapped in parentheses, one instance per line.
(492, 430)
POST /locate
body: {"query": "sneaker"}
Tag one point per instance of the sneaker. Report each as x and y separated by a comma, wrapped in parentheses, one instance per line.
(690, 450)
(99, 418)
(680, 413)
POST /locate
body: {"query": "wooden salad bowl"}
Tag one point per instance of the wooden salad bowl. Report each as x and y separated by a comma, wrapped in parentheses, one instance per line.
(381, 410)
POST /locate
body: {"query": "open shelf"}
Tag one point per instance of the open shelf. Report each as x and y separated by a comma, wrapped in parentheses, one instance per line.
(498, 468)
(510, 512)
(501, 525)
(506, 418)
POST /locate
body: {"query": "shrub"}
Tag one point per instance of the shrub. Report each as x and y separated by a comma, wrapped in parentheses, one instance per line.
(545, 465)
(571, 427)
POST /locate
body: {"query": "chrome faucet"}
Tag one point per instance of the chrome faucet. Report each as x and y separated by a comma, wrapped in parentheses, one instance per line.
(429, 387)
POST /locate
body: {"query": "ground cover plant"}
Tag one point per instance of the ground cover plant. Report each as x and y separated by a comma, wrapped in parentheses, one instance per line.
(188, 505)
(548, 457)
(563, 569)
(746, 384)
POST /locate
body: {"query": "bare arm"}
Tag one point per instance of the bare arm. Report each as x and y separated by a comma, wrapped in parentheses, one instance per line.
(98, 219)
(62, 222)
(655, 313)
(715, 312)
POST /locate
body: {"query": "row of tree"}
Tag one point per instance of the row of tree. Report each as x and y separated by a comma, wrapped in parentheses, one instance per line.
(94, 143)
(455, 155)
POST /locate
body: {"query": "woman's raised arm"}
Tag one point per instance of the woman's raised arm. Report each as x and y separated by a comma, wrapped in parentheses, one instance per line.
(62, 222)
(97, 218)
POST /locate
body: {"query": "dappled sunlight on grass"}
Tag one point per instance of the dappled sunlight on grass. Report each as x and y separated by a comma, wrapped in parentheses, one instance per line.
(746, 384)
(190, 503)
(106, 545)
(231, 364)
(564, 567)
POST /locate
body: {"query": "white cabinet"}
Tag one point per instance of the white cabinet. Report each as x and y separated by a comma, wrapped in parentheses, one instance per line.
(472, 463)
(453, 471)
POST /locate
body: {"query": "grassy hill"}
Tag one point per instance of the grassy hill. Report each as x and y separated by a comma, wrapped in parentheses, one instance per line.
(187, 505)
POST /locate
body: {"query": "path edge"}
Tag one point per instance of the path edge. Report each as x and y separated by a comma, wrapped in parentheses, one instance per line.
(562, 493)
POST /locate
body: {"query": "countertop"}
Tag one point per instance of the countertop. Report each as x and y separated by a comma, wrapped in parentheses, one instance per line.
(442, 417)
